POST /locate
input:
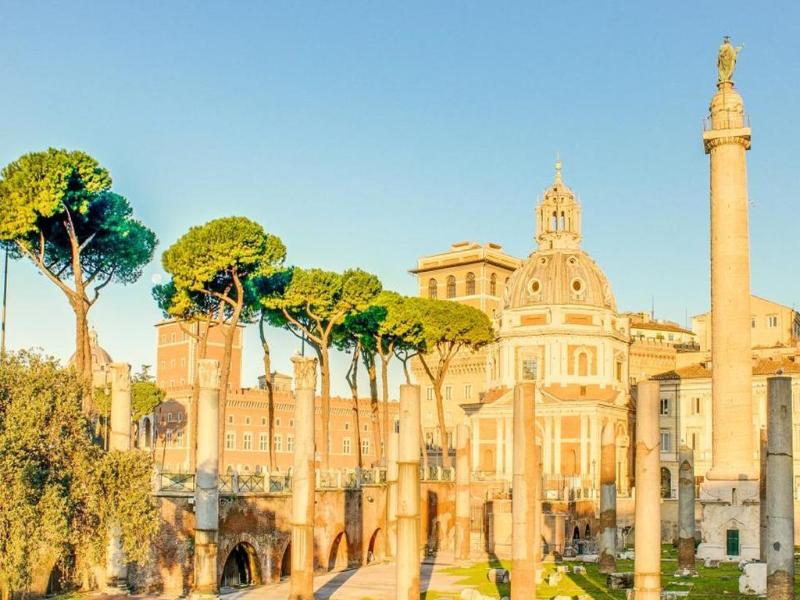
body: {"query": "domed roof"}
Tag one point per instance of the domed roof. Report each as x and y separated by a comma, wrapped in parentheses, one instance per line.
(100, 358)
(559, 276)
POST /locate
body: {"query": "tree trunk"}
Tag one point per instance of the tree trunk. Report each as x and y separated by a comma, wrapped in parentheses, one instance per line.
(352, 381)
(445, 447)
(375, 422)
(83, 353)
(229, 336)
(202, 349)
(387, 429)
(325, 393)
(270, 397)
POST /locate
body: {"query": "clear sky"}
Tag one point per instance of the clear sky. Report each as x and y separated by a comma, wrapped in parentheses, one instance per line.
(368, 134)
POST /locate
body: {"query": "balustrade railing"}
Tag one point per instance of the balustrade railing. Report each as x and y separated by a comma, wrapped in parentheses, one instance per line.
(276, 483)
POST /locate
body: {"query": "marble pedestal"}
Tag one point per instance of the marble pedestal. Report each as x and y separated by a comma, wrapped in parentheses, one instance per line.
(729, 506)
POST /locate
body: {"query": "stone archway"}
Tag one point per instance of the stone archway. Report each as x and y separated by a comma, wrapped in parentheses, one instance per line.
(338, 558)
(376, 547)
(285, 564)
(242, 567)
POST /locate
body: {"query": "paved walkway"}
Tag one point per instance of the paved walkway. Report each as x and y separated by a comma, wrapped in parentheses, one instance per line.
(375, 582)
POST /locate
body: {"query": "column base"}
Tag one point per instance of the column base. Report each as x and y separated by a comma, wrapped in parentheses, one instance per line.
(730, 526)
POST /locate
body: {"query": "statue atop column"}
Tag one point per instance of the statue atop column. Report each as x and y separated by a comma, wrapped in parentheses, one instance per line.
(726, 60)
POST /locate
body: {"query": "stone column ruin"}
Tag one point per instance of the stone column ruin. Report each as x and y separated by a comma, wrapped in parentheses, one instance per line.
(686, 504)
(608, 500)
(119, 439)
(463, 471)
(206, 494)
(303, 479)
(525, 494)
(408, 495)
(647, 532)
(780, 501)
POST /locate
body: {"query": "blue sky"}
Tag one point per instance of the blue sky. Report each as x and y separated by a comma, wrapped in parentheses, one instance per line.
(368, 134)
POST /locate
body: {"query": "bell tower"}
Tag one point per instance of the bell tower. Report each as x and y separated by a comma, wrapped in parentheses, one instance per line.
(558, 216)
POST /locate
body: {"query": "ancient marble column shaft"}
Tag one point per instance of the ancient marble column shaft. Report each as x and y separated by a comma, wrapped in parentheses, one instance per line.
(206, 492)
(726, 140)
(525, 494)
(303, 479)
(120, 440)
(463, 472)
(608, 501)
(391, 494)
(686, 521)
(408, 495)
(647, 531)
(780, 501)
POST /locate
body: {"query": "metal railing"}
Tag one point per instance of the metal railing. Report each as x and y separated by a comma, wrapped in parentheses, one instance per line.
(726, 119)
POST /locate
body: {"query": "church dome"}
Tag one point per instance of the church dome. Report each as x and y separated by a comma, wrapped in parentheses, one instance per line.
(559, 272)
(100, 358)
(559, 276)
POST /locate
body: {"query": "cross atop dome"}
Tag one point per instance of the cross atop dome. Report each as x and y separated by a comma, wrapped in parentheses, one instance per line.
(558, 216)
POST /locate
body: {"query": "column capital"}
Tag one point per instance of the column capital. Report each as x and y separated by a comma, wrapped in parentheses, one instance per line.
(305, 372)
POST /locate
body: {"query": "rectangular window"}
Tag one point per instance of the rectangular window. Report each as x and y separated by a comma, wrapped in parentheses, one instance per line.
(169, 417)
(529, 368)
(665, 406)
(263, 420)
(168, 438)
(289, 443)
(278, 443)
(364, 447)
(278, 422)
(262, 442)
(468, 392)
(448, 392)
(230, 440)
(230, 419)
(179, 439)
(694, 440)
(247, 441)
(753, 322)
(346, 446)
(772, 320)
(247, 420)
(666, 441)
(695, 406)
(429, 393)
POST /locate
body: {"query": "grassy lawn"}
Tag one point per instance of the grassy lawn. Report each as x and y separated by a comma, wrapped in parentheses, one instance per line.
(711, 583)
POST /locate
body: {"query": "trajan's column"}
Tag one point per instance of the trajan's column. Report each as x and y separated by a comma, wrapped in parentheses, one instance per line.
(730, 525)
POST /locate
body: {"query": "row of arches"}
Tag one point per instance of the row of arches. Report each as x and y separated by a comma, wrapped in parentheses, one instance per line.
(243, 567)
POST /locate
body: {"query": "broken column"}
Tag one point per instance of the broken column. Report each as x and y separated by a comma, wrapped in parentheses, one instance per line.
(463, 470)
(391, 494)
(120, 440)
(608, 501)
(686, 523)
(780, 502)
(303, 479)
(524, 496)
(408, 494)
(206, 494)
(647, 531)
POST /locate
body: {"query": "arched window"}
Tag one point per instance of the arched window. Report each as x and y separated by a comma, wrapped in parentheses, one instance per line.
(470, 284)
(563, 221)
(554, 221)
(433, 288)
(451, 287)
(493, 284)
